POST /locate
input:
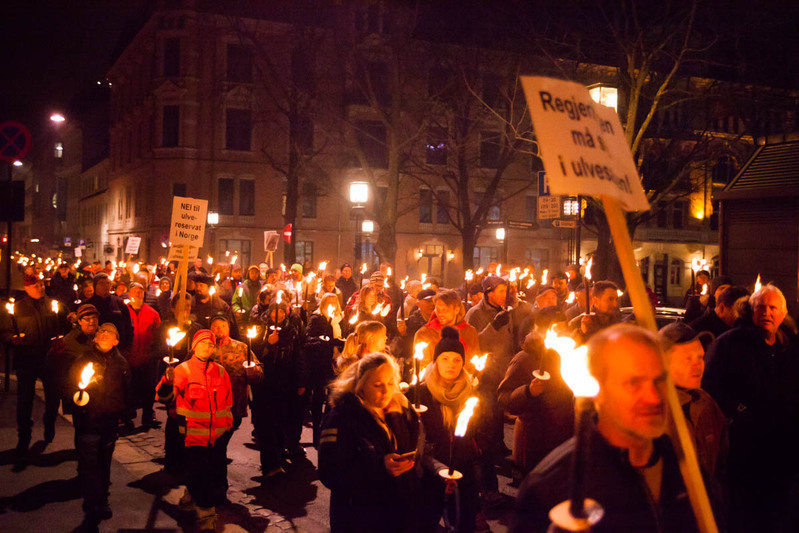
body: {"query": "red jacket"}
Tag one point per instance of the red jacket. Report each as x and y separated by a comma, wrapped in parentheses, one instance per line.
(203, 399)
(145, 327)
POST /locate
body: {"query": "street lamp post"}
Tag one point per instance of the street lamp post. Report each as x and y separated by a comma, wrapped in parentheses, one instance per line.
(502, 237)
(359, 195)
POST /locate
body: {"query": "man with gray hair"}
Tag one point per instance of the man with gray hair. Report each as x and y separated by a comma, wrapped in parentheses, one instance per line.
(632, 471)
(753, 374)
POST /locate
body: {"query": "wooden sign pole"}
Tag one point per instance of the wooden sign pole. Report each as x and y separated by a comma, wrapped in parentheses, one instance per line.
(646, 318)
(181, 313)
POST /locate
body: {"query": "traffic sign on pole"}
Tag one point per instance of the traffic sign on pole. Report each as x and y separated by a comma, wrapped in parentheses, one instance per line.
(15, 141)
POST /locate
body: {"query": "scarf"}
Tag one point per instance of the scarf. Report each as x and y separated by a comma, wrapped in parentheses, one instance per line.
(451, 396)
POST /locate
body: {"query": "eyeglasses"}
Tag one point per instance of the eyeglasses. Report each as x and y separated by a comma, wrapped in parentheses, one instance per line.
(90, 318)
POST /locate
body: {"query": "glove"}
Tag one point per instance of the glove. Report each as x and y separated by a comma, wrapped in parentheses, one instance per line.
(500, 320)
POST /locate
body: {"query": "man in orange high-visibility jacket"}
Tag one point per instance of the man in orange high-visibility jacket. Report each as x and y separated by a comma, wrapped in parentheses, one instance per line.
(203, 398)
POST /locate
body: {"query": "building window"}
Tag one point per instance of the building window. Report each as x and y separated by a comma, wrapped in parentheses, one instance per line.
(723, 170)
(247, 198)
(489, 149)
(226, 192)
(663, 216)
(302, 134)
(436, 150)
(531, 208)
(304, 252)
(309, 194)
(170, 126)
(538, 257)
(425, 206)
(371, 137)
(128, 202)
(172, 57)
(484, 255)
(678, 215)
(239, 247)
(239, 63)
(675, 271)
(238, 131)
(442, 207)
(58, 150)
(179, 189)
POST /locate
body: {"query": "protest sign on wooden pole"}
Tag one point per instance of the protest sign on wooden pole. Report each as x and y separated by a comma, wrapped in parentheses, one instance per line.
(186, 229)
(585, 153)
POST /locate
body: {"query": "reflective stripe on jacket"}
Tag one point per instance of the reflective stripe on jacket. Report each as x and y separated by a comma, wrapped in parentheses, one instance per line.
(203, 398)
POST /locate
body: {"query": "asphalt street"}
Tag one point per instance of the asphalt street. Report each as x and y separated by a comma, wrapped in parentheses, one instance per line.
(44, 496)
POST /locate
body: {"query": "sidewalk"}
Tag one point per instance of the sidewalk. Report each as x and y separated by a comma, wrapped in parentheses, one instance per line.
(44, 496)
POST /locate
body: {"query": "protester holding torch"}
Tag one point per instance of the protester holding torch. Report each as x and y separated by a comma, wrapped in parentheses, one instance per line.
(102, 384)
(28, 327)
(323, 339)
(445, 388)
(624, 461)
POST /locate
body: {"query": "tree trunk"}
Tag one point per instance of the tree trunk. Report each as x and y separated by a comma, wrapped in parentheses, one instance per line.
(469, 241)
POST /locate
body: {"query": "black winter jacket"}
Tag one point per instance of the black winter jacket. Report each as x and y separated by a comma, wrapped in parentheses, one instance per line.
(109, 391)
(613, 482)
(363, 495)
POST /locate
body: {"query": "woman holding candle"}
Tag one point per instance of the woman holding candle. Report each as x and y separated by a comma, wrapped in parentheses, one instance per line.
(367, 450)
(322, 343)
(444, 390)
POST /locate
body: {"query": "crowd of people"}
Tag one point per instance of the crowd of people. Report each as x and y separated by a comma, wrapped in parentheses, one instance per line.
(384, 371)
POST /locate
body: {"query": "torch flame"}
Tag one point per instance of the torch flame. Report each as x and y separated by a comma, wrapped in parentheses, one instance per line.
(331, 309)
(544, 276)
(469, 275)
(363, 268)
(252, 332)
(386, 310)
(75, 287)
(212, 291)
(354, 318)
(279, 298)
(54, 306)
(86, 375)
(573, 365)
(413, 380)
(233, 261)
(385, 284)
(388, 272)
(210, 259)
(282, 267)
(696, 264)
(464, 416)
(530, 282)
(241, 291)
(10, 308)
(174, 336)
(570, 299)
(499, 269)
(424, 277)
(136, 268)
(216, 279)
(479, 362)
(704, 288)
(620, 292)
(322, 266)
(402, 284)
(588, 269)
(378, 308)
(512, 277)
(158, 292)
(479, 271)
(758, 285)
(418, 350)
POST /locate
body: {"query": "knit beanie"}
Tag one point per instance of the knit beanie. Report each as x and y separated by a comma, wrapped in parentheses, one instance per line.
(450, 342)
(202, 335)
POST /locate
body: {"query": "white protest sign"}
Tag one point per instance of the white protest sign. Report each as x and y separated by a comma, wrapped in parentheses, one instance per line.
(188, 221)
(132, 247)
(271, 239)
(582, 143)
(78, 252)
(176, 253)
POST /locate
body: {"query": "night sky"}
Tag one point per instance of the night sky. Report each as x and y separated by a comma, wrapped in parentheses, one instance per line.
(53, 48)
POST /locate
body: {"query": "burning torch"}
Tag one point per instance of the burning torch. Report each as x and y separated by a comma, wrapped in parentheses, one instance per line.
(252, 332)
(81, 397)
(174, 336)
(418, 357)
(460, 431)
